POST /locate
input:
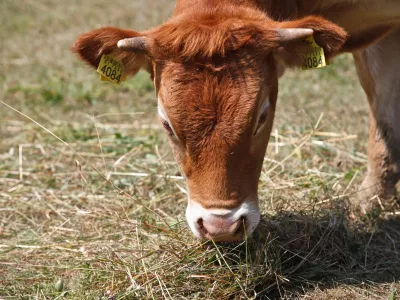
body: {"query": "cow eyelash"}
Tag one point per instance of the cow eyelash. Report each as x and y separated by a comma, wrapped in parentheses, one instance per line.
(261, 121)
(167, 127)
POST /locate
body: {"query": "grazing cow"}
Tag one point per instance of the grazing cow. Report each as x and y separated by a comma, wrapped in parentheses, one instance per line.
(215, 66)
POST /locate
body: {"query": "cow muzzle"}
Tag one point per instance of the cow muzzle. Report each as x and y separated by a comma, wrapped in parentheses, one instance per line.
(223, 225)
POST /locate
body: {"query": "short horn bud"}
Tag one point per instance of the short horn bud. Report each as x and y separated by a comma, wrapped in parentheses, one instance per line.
(139, 43)
(293, 34)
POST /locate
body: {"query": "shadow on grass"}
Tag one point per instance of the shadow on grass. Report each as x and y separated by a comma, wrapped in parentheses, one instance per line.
(291, 253)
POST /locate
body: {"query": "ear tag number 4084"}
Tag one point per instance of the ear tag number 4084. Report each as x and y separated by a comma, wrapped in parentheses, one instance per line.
(111, 69)
(314, 58)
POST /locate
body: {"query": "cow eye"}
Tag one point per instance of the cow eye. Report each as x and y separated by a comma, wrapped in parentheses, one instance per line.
(261, 122)
(167, 127)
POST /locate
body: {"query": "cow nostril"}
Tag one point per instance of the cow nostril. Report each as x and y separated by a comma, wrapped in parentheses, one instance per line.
(200, 223)
(202, 229)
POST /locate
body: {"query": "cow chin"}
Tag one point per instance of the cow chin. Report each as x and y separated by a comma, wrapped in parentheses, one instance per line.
(223, 225)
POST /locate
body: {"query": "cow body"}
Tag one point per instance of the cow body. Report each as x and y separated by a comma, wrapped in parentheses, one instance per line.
(374, 40)
(215, 66)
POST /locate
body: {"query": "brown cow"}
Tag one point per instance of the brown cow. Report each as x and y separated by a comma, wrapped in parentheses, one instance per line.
(215, 66)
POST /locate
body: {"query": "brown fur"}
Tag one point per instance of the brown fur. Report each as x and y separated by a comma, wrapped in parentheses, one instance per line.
(213, 65)
(203, 33)
(214, 32)
(92, 45)
(377, 69)
(213, 116)
(214, 62)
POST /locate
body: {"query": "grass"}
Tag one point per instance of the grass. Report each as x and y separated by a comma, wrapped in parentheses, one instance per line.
(101, 214)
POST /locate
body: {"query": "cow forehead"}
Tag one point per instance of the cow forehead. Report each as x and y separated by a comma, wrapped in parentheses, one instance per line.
(202, 102)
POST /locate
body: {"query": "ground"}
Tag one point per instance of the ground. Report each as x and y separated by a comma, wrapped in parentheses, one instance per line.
(92, 202)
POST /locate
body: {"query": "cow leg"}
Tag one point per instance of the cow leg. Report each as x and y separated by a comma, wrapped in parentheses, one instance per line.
(378, 68)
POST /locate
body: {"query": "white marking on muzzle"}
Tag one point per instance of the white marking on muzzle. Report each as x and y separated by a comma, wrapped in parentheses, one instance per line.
(248, 209)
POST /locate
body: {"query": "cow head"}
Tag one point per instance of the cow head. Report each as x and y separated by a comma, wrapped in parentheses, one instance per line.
(215, 73)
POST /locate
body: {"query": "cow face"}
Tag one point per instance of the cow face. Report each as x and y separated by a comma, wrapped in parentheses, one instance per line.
(219, 120)
(216, 80)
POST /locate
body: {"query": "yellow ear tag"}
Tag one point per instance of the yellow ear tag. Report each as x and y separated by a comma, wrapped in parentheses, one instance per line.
(314, 58)
(102, 78)
(111, 69)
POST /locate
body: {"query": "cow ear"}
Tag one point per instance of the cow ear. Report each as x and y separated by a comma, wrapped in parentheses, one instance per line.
(92, 45)
(292, 34)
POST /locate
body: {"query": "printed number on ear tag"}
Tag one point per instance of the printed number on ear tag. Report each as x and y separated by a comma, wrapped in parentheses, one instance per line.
(111, 69)
(314, 58)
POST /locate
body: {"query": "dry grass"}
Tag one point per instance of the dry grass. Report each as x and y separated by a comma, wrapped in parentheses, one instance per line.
(101, 214)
